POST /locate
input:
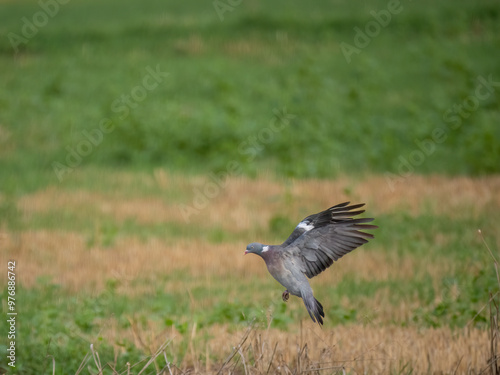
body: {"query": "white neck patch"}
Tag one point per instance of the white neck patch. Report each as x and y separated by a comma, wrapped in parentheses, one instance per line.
(265, 248)
(305, 226)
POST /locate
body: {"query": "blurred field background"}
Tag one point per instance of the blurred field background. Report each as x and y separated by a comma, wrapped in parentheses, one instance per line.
(127, 201)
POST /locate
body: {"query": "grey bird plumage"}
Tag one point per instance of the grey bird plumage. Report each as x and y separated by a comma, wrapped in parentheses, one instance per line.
(316, 242)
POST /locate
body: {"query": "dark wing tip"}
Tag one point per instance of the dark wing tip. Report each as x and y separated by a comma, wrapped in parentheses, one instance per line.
(340, 205)
(315, 310)
(345, 207)
(320, 313)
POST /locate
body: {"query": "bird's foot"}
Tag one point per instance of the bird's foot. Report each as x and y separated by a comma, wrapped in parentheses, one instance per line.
(285, 296)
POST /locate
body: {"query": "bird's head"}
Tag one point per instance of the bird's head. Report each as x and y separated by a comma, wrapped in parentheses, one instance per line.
(256, 248)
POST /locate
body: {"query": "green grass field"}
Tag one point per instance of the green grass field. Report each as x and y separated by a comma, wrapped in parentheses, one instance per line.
(116, 118)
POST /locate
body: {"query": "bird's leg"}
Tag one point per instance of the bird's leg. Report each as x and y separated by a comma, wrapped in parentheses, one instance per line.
(285, 296)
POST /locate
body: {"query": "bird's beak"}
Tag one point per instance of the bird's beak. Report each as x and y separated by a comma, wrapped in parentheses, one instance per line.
(246, 252)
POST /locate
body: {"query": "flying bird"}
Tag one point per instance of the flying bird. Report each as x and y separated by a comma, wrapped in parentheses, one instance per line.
(316, 242)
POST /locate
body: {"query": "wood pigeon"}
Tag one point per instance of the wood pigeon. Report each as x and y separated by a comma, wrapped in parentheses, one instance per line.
(312, 247)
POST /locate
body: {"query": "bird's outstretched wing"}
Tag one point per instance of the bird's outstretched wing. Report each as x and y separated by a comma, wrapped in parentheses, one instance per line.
(322, 238)
(321, 219)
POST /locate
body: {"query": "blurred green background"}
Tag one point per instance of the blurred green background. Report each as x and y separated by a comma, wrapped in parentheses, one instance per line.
(230, 69)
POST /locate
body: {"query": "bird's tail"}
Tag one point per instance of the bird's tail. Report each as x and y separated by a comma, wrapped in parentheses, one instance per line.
(314, 308)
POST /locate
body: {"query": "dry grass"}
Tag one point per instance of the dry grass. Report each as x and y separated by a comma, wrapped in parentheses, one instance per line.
(453, 196)
(66, 258)
(353, 348)
(243, 205)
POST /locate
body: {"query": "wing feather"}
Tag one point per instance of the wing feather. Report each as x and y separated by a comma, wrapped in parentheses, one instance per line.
(323, 238)
(318, 220)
